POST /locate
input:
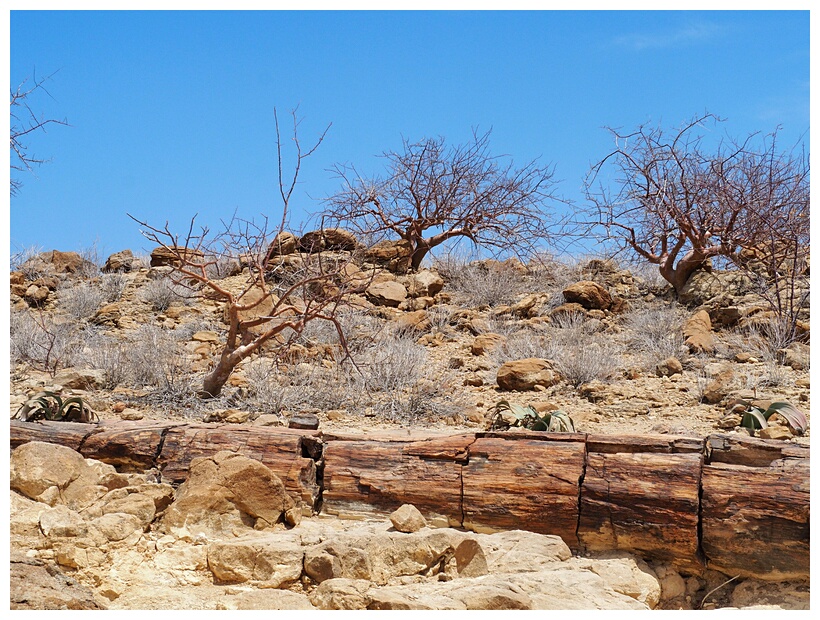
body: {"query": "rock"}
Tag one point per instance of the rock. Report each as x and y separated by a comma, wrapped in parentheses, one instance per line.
(526, 374)
(62, 522)
(589, 294)
(37, 466)
(386, 293)
(173, 256)
(626, 575)
(79, 379)
(109, 314)
(283, 244)
(55, 261)
(304, 420)
(392, 255)
(206, 336)
(36, 295)
(671, 583)
(719, 386)
(698, 333)
(796, 355)
(117, 525)
(271, 561)
(425, 283)
(775, 432)
(703, 286)
(267, 599)
(119, 262)
(568, 309)
(131, 414)
(786, 595)
(342, 594)
(327, 239)
(668, 367)
(229, 416)
(129, 501)
(37, 585)
(408, 518)
(485, 343)
(416, 321)
(227, 492)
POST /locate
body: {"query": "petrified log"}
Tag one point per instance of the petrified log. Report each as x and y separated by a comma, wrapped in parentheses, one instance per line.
(755, 508)
(642, 494)
(526, 481)
(380, 473)
(738, 504)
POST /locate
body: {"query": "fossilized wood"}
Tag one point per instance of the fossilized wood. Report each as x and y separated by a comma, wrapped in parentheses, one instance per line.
(379, 475)
(739, 504)
(129, 446)
(284, 451)
(751, 451)
(756, 519)
(521, 482)
(644, 502)
(69, 434)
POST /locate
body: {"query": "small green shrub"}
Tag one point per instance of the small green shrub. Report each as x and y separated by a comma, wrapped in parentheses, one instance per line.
(755, 418)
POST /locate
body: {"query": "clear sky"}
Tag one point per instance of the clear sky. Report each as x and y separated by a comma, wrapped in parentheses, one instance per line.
(171, 113)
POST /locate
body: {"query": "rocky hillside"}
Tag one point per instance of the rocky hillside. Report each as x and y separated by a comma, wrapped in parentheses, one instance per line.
(441, 347)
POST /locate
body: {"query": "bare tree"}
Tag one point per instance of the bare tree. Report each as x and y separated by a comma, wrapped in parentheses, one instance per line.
(24, 122)
(279, 298)
(677, 203)
(432, 193)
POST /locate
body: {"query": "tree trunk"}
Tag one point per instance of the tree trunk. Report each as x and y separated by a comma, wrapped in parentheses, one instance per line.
(214, 381)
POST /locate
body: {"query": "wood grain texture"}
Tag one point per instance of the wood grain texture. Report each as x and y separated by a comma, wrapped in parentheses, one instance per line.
(756, 519)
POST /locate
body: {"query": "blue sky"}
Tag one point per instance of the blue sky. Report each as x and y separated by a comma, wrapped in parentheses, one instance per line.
(171, 113)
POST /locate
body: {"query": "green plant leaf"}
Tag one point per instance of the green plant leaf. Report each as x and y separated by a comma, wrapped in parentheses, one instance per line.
(753, 419)
(797, 419)
(560, 422)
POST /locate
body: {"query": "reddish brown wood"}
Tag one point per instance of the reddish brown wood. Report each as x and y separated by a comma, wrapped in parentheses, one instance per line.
(521, 482)
(379, 476)
(69, 434)
(130, 446)
(644, 502)
(755, 520)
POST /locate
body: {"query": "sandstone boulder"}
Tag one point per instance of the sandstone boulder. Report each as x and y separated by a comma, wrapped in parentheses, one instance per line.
(525, 374)
(698, 334)
(392, 255)
(225, 493)
(120, 262)
(485, 343)
(38, 585)
(37, 467)
(591, 295)
(388, 293)
(173, 256)
(425, 283)
(270, 561)
(283, 244)
(328, 239)
(407, 518)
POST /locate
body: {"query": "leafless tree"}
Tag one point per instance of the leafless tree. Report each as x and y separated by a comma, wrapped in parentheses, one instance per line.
(24, 122)
(431, 193)
(677, 203)
(278, 299)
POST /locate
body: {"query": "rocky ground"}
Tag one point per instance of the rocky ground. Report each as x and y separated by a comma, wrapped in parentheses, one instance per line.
(438, 349)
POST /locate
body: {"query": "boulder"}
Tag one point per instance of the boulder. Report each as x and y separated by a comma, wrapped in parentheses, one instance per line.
(425, 283)
(392, 255)
(37, 585)
(416, 321)
(55, 261)
(525, 374)
(698, 334)
(36, 295)
(120, 262)
(328, 239)
(591, 295)
(388, 293)
(704, 286)
(668, 367)
(407, 518)
(173, 256)
(227, 492)
(283, 244)
(485, 343)
(36, 467)
(270, 561)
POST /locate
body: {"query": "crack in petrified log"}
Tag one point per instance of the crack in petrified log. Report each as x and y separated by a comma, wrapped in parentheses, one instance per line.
(735, 503)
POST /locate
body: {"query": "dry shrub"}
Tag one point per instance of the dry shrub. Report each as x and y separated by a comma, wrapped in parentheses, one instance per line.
(656, 334)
